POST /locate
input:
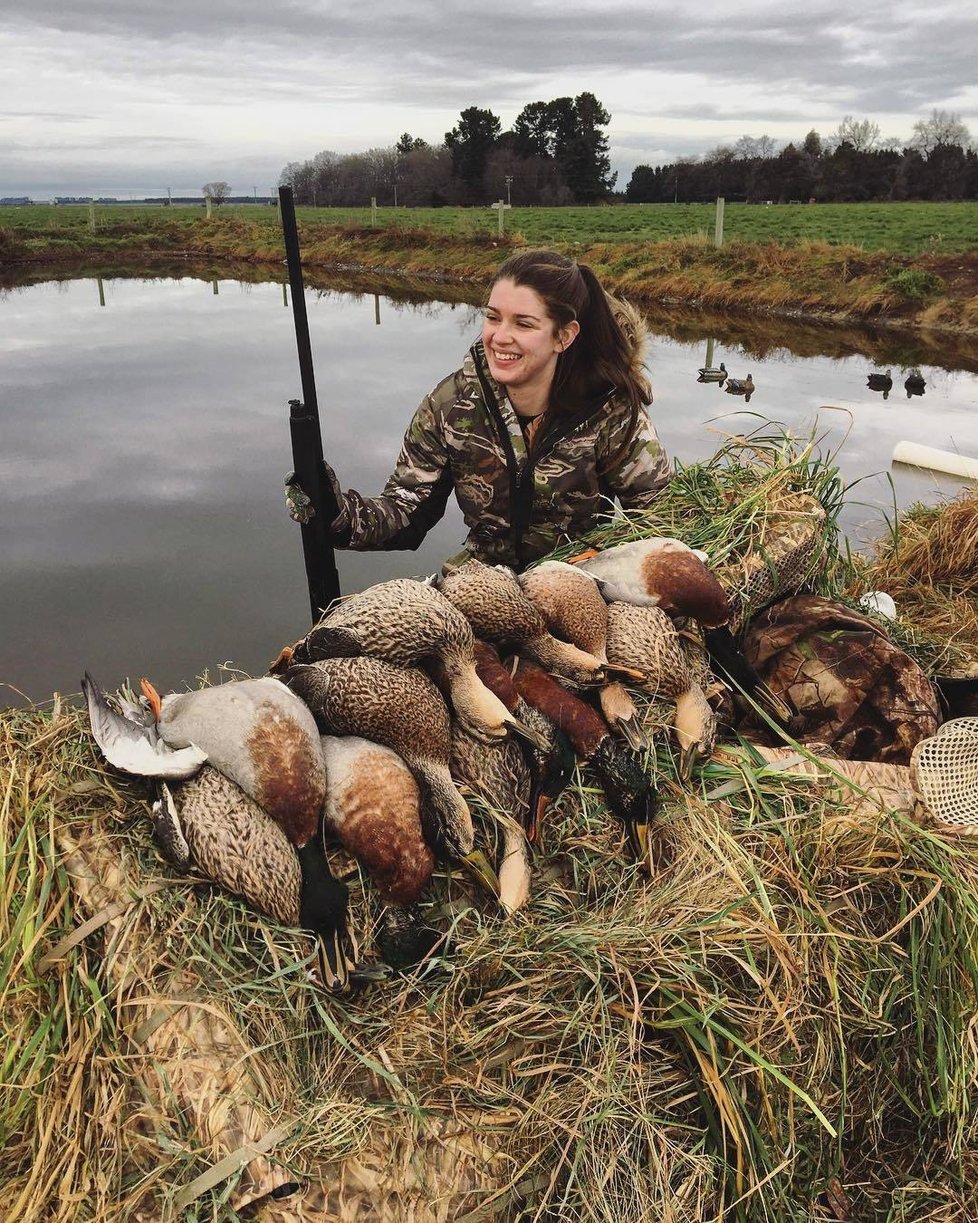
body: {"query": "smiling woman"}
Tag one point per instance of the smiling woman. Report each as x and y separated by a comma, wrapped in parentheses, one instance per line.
(543, 425)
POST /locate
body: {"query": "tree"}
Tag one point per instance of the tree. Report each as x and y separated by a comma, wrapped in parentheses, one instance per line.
(942, 128)
(471, 140)
(812, 145)
(409, 144)
(216, 192)
(532, 131)
(862, 135)
(749, 147)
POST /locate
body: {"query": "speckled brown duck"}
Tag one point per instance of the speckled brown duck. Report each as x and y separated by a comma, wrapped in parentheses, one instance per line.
(402, 709)
(373, 808)
(205, 820)
(668, 574)
(646, 639)
(490, 598)
(402, 622)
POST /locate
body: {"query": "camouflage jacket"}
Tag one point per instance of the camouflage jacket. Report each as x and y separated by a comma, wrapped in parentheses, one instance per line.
(465, 436)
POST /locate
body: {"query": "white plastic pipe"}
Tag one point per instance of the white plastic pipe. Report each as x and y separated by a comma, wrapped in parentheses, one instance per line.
(937, 460)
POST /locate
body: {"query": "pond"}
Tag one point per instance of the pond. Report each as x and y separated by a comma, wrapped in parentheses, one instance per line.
(145, 440)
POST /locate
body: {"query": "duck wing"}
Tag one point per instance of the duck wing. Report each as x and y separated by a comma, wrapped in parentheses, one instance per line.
(132, 746)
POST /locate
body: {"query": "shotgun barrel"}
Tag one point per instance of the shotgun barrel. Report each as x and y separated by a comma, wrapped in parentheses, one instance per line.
(307, 438)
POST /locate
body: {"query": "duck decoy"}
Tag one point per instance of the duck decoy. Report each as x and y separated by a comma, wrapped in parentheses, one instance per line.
(210, 822)
(647, 639)
(880, 382)
(712, 373)
(373, 808)
(402, 622)
(914, 383)
(490, 598)
(402, 709)
(740, 386)
(258, 734)
(627, 785)
(667, 573)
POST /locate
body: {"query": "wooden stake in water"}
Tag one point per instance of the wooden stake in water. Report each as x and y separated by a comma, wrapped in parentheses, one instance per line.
(500, 206)
(708, 363)
(718, 231)
(101, 291)
(377, 309)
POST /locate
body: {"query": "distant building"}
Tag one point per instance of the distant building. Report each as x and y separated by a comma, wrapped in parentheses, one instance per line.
(15, 199)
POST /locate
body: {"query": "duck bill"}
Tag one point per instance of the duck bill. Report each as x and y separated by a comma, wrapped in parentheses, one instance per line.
(633, 734)
(333, 968)
(637, 833)
(527, 734)
(689, 758)
(477, 865)
(637, 677)
(151, 695)
(538, 805)
(586, 555)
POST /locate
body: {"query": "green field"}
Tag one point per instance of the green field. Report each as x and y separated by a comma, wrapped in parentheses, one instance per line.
(901, 228)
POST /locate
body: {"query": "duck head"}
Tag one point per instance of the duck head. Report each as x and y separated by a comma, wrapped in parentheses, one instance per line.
(629, 790)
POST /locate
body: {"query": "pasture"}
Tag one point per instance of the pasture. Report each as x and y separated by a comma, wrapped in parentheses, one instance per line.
(899, 228)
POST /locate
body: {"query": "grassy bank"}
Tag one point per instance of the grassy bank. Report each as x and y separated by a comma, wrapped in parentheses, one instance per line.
(777, 1025)
(795, 273)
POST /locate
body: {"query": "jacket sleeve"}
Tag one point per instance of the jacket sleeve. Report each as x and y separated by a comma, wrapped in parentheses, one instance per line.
(632, 463)
(414, 497)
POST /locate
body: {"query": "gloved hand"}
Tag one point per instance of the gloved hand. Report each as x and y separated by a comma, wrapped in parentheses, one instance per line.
(301, 509)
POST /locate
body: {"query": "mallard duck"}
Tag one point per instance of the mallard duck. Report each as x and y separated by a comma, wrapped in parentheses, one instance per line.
(373, 808)
(880, 382)
(573, 608)
(646, 638)
(490, 598)
(740, 386)
(914, 383)
(210, 822)
(402, 622)
(400, 708)
(712, 373)
(259, 735)
(666, 573)
(628, 787)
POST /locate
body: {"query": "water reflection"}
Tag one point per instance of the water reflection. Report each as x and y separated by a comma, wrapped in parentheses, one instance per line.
(145, 424)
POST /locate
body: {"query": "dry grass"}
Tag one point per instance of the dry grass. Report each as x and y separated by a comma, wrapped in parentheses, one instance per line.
(783, 1013)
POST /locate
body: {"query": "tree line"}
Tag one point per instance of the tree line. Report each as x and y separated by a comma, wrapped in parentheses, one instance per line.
(852, 165)
(555, 153)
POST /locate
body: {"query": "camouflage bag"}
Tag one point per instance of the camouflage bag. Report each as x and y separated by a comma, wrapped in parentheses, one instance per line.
(850, 686)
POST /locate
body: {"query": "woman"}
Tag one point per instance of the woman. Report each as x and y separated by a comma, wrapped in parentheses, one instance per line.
(544, 422)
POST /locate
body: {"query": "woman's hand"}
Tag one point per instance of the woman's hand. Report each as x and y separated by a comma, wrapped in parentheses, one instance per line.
(301, 509)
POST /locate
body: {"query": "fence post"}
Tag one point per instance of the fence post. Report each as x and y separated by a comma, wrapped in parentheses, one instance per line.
(91, 215)
(373, 210)
(209, 206)
(718, 231)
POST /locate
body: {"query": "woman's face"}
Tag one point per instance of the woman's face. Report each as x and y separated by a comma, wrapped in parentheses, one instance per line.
(522, 342)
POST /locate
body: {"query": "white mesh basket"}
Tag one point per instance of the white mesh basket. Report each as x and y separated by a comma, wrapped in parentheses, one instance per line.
(944, 769)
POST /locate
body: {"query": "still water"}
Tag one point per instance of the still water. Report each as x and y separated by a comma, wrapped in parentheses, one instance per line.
(144, 430)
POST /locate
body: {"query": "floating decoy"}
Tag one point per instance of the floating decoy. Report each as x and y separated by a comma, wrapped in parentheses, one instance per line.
(209, 821)
(402, 622)
(373, 808)
(740, 386)
(402, 709)
(880, 382)
(666, 573)
(712, 373)
(627, 785)
(914, 383)
(491, 599)
(646, 638)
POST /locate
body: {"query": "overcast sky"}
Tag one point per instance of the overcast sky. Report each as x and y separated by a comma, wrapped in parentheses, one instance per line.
(112, 97)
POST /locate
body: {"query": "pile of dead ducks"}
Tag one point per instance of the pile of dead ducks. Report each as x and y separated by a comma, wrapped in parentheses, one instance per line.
(410, 696)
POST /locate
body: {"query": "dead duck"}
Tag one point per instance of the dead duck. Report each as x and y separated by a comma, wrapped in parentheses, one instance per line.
(373, 808)
(627, 785)
(646, 638)
(400, 708)
(712, 373)
(490, 598)
(740, 386)
(667, 573)
(203, 818)
(259, 735)
(402, 622)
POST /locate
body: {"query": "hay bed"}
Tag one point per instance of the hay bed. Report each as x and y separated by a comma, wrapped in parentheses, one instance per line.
(779, 1025)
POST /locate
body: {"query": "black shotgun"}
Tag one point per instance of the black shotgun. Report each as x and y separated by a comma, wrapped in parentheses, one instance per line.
(307, 438)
